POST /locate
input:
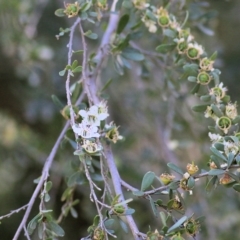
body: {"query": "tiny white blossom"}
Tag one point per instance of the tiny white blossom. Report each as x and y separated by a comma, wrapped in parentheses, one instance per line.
(214, 137)
(186, 175)
(92, 116)
(231, 110)
(230, 147)
(85, 130)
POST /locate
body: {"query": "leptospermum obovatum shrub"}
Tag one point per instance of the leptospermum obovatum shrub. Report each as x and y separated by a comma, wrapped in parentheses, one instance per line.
(94, 134)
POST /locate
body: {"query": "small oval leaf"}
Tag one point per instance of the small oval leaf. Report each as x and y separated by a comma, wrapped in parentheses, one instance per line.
(147, 180)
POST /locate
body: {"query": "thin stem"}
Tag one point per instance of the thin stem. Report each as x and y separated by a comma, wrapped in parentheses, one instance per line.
(118, 189)
(45, 173)
(68, 92)
(13, 212)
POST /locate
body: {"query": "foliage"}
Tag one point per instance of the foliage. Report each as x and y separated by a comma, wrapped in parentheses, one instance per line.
(91, 134)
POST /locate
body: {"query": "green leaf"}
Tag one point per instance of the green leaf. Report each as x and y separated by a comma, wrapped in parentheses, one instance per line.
(192, 79)
(127, 4)
(233, 176)
(167, 47)
(177, 224)
(215, 77)
(219, 146)
(78, 51)
(147, 180)
(96, 177)
(215, 160)
(138, 193)
(122, 23)
(91, 35)
(218, 154)
(195, 89)
(153, 206)
(169, 33)
(216, 172)
(163, 218)
(175, 168)
(76, 178)
(132, 54)
(74, 64)
(200, 108)
(107, 84)
(48, 186)
(211, 183)
(86, 6)
(216, 110)
(73, 212)
(33, 224)
(205, 98)
(40, 230)
(109, 223)
(62, 73)
(57, 102)
(191, 69)
(236, 187)
(129, 211)
(77, 69)
(47, 197)
(214, 56)
(56, 229)
(60, 12)
(173, 185)
(230, 159)
(123, 226)
(238, 159)
(236, 120)
(191, 183)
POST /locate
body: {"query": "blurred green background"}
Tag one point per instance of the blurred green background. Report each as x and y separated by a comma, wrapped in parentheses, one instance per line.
(154, 113)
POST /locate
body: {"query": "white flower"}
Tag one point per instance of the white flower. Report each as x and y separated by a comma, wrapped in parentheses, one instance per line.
(230, 147)
(85, 130)
(186, 175)
(231, 110)
(214, 137)
(92, 116)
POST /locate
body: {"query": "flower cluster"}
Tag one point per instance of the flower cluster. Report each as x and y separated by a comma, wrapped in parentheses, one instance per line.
(88, 129)
(92, 126)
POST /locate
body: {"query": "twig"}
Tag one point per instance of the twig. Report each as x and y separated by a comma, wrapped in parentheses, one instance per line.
(68, 92)
(93, 196)
(45, 173)
(84, 66)
(26, 233)
(118, 190)
(13, 212)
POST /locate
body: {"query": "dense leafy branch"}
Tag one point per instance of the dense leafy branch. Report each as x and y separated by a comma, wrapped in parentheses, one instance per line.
(93, 136)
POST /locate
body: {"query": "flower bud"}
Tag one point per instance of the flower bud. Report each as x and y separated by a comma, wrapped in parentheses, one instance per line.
(206, 64)
(231, 110)
(194, 51)
(98, 234)
(212, 165)
(225, 179)
(192, 227)
(166, 178)
(154, 235)
(72, 9)
(203, 78)
(163, 17)
(192, 168)
(224, 123)
(119, 209)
